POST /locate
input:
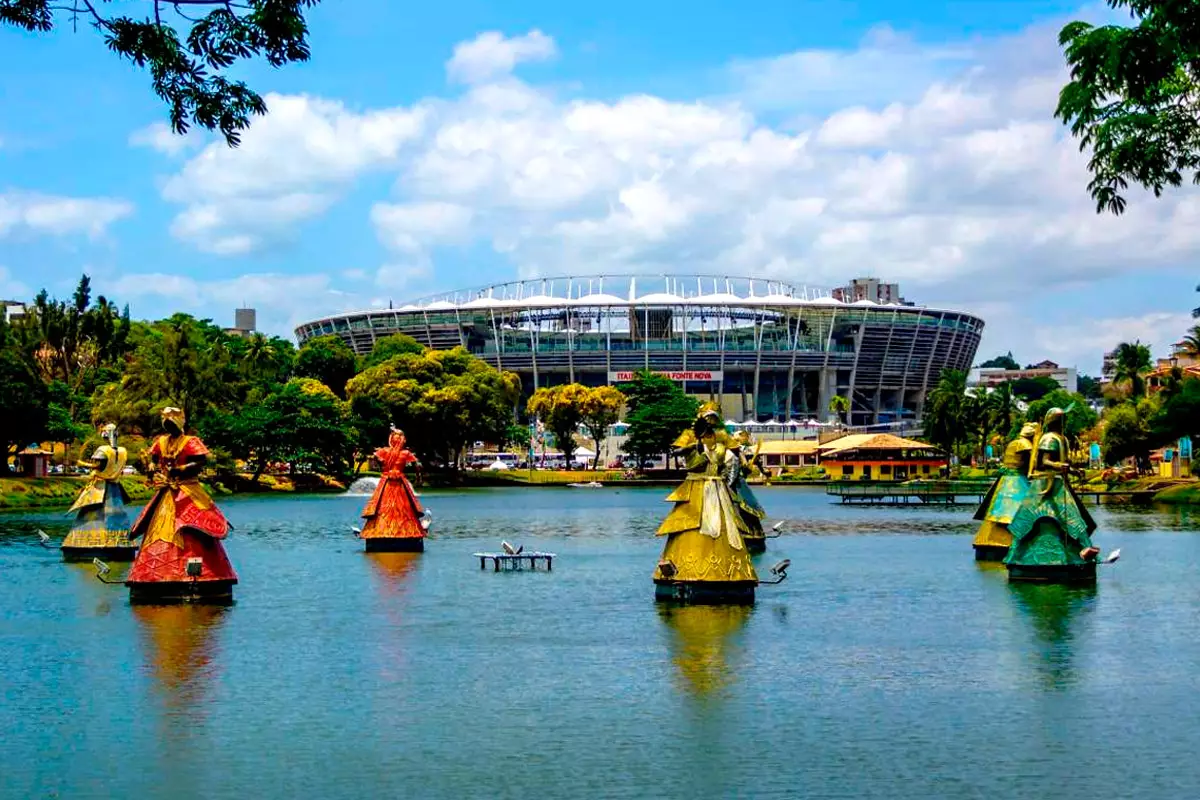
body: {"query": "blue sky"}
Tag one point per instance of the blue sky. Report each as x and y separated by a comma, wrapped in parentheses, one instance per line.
(450, 145)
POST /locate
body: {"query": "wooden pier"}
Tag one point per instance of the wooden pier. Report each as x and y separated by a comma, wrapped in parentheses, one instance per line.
(899, 494)
(515, 560)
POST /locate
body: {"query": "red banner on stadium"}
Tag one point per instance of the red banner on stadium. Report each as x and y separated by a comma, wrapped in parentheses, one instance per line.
(685, 375)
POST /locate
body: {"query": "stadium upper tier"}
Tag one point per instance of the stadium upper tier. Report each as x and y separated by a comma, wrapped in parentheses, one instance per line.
(783, 348)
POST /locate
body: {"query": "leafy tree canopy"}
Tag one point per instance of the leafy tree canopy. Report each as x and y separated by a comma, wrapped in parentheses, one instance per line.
(561, 408)
(1005, 361)
(1132, 98)
(659, 411)
(1080, 418)
(190, 47)
(329, 360)
(1033, 388)
(395, 345)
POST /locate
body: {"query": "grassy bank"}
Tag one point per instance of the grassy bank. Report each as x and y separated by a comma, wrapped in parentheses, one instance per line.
(61, 491)
(1183, 494)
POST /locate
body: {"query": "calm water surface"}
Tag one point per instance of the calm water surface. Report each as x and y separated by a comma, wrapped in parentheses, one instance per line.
(889, 665)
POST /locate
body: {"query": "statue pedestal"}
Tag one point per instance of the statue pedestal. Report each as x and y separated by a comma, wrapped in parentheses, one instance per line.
(115, 554)
(705, 592)
(1054, 573)
(409, 544)
(174, 592)
(990, 552)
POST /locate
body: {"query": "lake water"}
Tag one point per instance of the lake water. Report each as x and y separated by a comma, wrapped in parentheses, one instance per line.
(888, 665)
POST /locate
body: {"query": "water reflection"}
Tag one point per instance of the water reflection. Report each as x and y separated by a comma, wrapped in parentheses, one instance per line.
(702, 638)
(393, 573)
(180, 651)
(1055, 613)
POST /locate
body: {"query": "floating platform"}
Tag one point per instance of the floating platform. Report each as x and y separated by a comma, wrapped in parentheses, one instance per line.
(990, 552)
(117, 554)
(408, 544)
(515, 560)
(705, 592)
(1064, 573)
(755, 544)
(181, 592)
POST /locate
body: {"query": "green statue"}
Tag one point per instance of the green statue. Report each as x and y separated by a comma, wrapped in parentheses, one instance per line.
(1051, 530)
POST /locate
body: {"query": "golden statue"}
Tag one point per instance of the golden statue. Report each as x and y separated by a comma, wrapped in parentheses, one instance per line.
(705, 557)
(1004, 497)
(751, 510)
(101, 528)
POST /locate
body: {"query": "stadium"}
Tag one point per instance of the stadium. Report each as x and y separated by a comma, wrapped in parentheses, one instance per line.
(762, 349)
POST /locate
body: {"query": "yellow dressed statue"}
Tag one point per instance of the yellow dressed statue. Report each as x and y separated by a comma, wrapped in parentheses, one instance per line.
(1004, 497)
(705, 557)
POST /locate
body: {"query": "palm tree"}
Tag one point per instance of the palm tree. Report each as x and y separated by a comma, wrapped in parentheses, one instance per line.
(259, 356)
(839, 405)
(1191, 343)
(948, 410)
(1131, 363)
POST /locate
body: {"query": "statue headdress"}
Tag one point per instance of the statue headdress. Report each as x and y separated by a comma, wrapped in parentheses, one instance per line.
(175, 415)
(108, 432)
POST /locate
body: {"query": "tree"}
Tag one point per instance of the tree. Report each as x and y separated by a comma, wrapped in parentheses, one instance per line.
(946, 419)
(371, 423)
(23, 413)
(659, 411)
(561, 409)
(1127, 434)
(1005, 361)
(189, 75)
(601, 409)
(1089, 387)
(390, 346)
(329, 360)
(1132, 98)
(443, 399)
(1191, 343)
(839, 405)
(1179, 415)
(1033, 388)
(1080, 418)
(1131, 361)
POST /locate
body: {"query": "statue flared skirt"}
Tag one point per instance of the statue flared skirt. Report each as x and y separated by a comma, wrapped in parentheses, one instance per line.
(101, 530)
(393, 518)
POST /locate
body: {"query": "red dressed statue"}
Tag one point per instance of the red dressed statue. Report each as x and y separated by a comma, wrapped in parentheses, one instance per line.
(181, 559)
(395, 520)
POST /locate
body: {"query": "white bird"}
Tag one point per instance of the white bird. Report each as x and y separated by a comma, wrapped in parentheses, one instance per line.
(357, 531)
(42, 535)
(1113, 556)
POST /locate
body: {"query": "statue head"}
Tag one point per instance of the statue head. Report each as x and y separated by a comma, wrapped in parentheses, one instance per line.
(173, 420)
(1054, 420)
(396, 438)
(743, 437)
(108, 432)
(1028, 430)
(707, 420)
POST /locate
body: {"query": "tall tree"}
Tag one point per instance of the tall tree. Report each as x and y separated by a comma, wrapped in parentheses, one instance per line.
(601, 410)
(329, 360)
(1133, 98)
(840, 405)
(659, 411)
(1131, 361)
(389, 346)
(1005, 361)
(190, 74)
(945, 419)
(561, 409)
(23, 401)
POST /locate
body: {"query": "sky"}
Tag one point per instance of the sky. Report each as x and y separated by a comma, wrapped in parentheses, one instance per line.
(432, 147)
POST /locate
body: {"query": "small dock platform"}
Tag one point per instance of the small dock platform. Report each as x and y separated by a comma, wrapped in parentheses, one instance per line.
(899, 494)
(515, 560)
(1116, 495)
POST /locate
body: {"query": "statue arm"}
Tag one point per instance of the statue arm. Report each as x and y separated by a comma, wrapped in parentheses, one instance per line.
(189, 469)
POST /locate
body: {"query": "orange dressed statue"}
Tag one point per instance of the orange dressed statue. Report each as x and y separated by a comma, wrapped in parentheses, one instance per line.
(395, 520)
(181, 559)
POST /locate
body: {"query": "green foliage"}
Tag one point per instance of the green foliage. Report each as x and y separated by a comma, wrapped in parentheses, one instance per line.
(371, 423)
(442, 399)
(1029, 389)
(189, 74)
(1131, 362)
(560, 408)
(1089, 387)
(1127, 434)
(1005, 361)
(1080, 418)
(600, 411)
(329, 360)
(840, 405)
(516, 438)
(1178, 415)
(397, 344)
(947, 418)
(23, 413)
(659, 411)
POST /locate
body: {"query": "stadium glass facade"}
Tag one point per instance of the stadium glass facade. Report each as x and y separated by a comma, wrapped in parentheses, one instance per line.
(762, 349)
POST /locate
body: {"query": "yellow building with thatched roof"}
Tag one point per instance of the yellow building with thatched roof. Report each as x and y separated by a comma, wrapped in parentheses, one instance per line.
(880, 457)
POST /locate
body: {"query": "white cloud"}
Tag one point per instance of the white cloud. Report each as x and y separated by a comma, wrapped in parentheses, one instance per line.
(1084, 340)
(492, 54)
(51, 215)
(159, 137)
(292, 165)
(939, 166)
(11, 288)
